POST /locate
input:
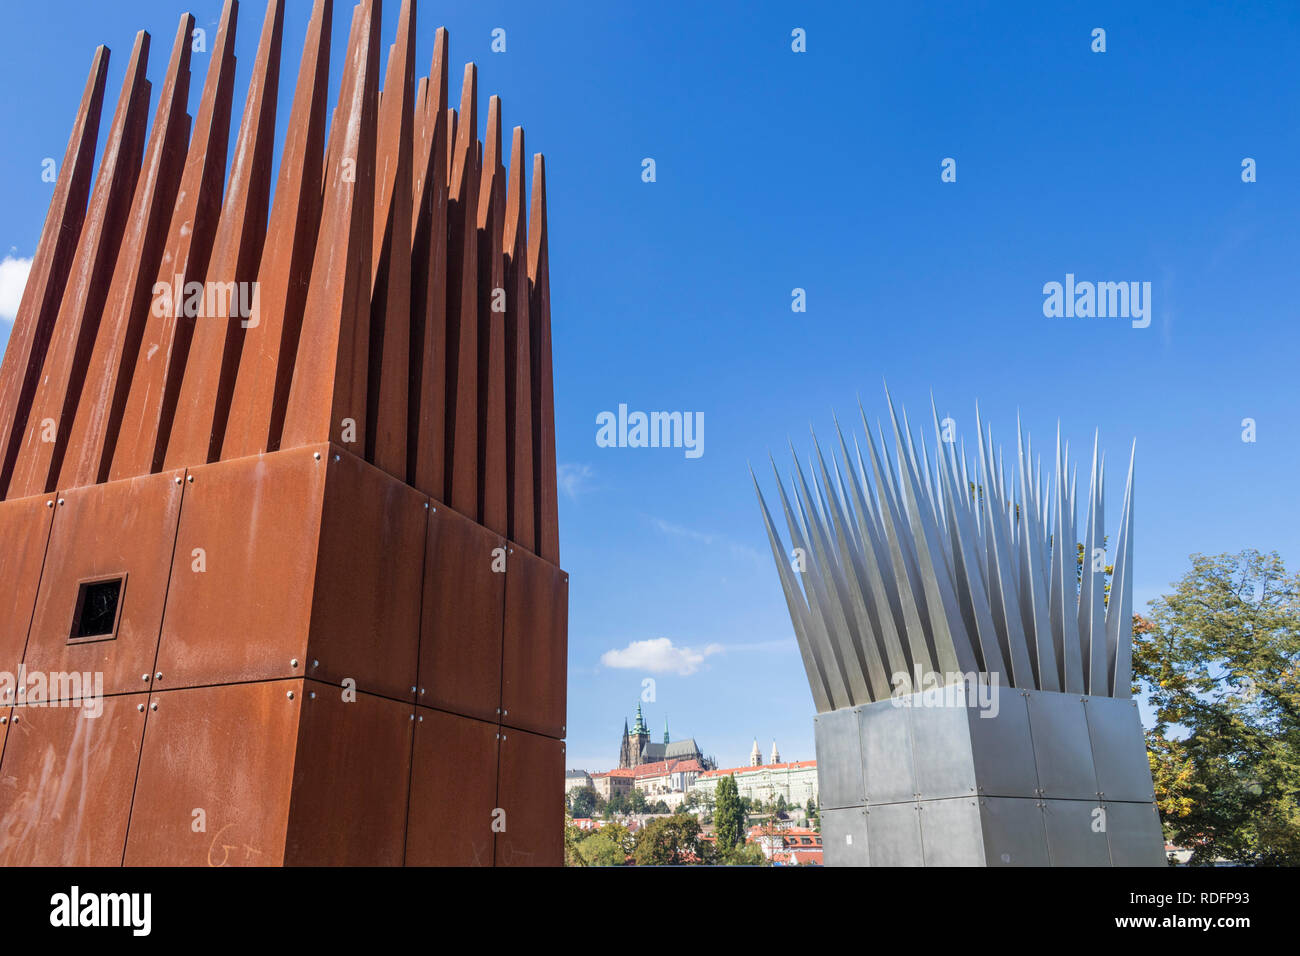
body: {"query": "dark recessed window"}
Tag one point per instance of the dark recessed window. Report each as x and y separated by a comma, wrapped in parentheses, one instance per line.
(98, 603)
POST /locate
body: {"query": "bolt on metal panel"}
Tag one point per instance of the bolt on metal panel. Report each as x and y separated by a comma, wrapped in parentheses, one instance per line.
(1013, 832)
(1076, 833)
(886, 742)
(844, 837)
(534, 653)
(69, 772)
(894, 834)
(1062, 751)
(941, 741)
(1002, 747)
(840, 782)
(950, 832)
(530, 796)
(1119, 750)
(25, 531)
(446, 825)
(1135, 836)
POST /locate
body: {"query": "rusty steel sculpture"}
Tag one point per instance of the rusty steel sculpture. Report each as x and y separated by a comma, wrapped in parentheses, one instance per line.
(968, 657)
(280, 567)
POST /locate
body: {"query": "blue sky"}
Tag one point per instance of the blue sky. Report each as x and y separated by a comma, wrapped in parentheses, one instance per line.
(778, 170)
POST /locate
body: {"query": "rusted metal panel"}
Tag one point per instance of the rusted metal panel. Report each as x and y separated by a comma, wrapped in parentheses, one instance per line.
(493, 506)
(43, 293)
(121, 530)
(327, 398)
(453, 791)
(530, 791)
(535, 648)
(545, 492)
(213, 360)
(464, 603)
(252, 525)
(94, 428)
(155, 382)
(522, 519)
(350, 780)
(67, 780)
(427, 422)
(365, 616)
(389, 379)
(54, 404)
(25, 531)
(271, 341)
(220, 755)
(462, 307)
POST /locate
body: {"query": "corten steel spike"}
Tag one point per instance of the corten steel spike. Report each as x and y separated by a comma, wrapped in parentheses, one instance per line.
(519, 391)
(427, 420)
(33, 325)
(545, 493)
(155, 383)
(103, 396)
(55, 403)
(270, 349)
(209, 378)
(327, 398)
(492, 301)
(462, 307)
(389, 379)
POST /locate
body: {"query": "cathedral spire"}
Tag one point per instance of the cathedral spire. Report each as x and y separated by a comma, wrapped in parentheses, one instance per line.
(755, 755)
(665, 729)
(776, 754)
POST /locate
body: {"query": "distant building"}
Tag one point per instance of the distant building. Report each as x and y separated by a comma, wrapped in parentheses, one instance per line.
(667, 780)
(636, 748)
(613, 782)
(796, 781)
(788, 846)
(576, 780)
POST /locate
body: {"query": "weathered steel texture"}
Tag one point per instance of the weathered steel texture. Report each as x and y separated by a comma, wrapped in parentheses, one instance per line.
(427, 420)
(327, 398)
(350, 780)
(67, 780)
(462, 617)
(121, 529)
(155, 382)
(58, 389)
(270, 349)
(493, 491)
(208, 381)
(389, 378)
(534, 653)
(522, 519)
(452, 826)
(462, 307)
(227, 751)
(530, 792)
(39, 307)
(545, 493)
(108, 375)
(365, 612)
(934, 567)
(844, 837)
(25, 531)
(240, 603)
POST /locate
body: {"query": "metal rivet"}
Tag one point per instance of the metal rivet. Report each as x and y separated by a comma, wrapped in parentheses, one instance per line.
(498, 710)
(505, 713)
(140, 707)
(317, 456)
(420, 718)
(15, 718)
(158, 676)
(154, 705)
(178, 479)
(336, 458)
(290, 695)
(503, 736)
(62, 502)
(294, 662)
(413, 716)
(4, 720)
(426, 506)
(412, 688)
(312, 695)
(49, 504)
(190, 479)
(315, 663)
(144, 677)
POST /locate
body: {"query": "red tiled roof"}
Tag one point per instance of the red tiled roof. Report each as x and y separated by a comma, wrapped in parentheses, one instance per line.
(666, 767)
(793, 765)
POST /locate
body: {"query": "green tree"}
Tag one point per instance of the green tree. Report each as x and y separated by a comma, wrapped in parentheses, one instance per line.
(668, 841)
(729, 818)
(636, 801)
(746, 854)
(814, 819)
(608, 846)
(1220, 658)
(582, 802)
(572, 837)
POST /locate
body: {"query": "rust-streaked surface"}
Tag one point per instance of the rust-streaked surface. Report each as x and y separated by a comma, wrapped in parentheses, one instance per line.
(350, 780)
(452, 825)
(535, 649)
(255, 523)
(121, 528)
(229, 752)
(530, 789)
(493, 497)
(66, 782)
(464, 601)
(522, 521)
(25, 532)
(545, 493)
(365, 620)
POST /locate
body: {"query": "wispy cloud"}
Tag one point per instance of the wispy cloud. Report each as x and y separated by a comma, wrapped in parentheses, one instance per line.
(573, 478)
(706, 538)
(659, 656)
(13, 277)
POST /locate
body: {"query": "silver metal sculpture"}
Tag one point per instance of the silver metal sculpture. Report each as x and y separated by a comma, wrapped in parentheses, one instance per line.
(966, 655)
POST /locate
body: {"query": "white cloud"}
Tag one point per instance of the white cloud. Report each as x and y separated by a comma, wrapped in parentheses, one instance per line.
(573, 479)
(659, 656)
(13, 277)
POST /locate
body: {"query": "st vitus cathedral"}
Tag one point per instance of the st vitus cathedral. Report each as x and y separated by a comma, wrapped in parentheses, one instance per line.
(636, 747)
